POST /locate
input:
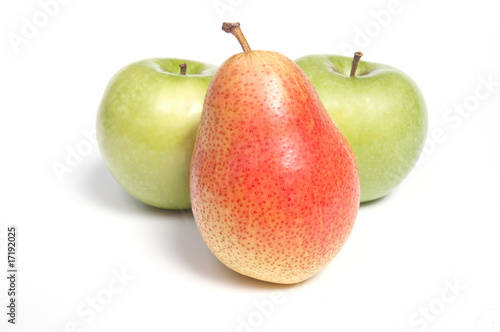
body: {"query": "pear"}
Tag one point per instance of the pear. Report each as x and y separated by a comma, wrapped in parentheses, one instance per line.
(274, 185)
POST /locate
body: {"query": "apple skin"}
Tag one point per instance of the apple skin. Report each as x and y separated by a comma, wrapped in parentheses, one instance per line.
(146, 128)
(381, 112)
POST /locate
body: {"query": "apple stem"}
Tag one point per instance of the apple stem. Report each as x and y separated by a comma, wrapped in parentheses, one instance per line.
(355, 62)
(183, 68)
(235, 30)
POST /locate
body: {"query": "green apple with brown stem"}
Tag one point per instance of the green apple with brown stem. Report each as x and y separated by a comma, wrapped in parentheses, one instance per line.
(379, 109)
(146, 127)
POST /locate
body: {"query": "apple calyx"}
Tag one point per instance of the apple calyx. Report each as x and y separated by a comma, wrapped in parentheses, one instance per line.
(235, 30)
(355, 63)
(183, 68)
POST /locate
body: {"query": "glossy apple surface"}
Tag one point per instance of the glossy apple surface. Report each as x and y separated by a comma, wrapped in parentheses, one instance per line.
(380, 110)
(146, 128)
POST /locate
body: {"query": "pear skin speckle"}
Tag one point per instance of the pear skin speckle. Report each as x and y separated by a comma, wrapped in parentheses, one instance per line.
(274, 184)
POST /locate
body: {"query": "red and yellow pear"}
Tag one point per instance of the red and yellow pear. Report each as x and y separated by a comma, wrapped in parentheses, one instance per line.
(274, 185)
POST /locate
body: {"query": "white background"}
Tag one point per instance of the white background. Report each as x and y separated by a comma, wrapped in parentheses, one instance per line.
(432, 245)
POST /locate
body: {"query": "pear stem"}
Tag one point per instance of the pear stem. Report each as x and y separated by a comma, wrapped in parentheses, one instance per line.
(183, 68)
(355, 62)
(234, 29)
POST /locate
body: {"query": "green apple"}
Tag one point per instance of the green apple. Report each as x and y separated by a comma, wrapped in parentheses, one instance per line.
(146, 127)
(379, 109)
